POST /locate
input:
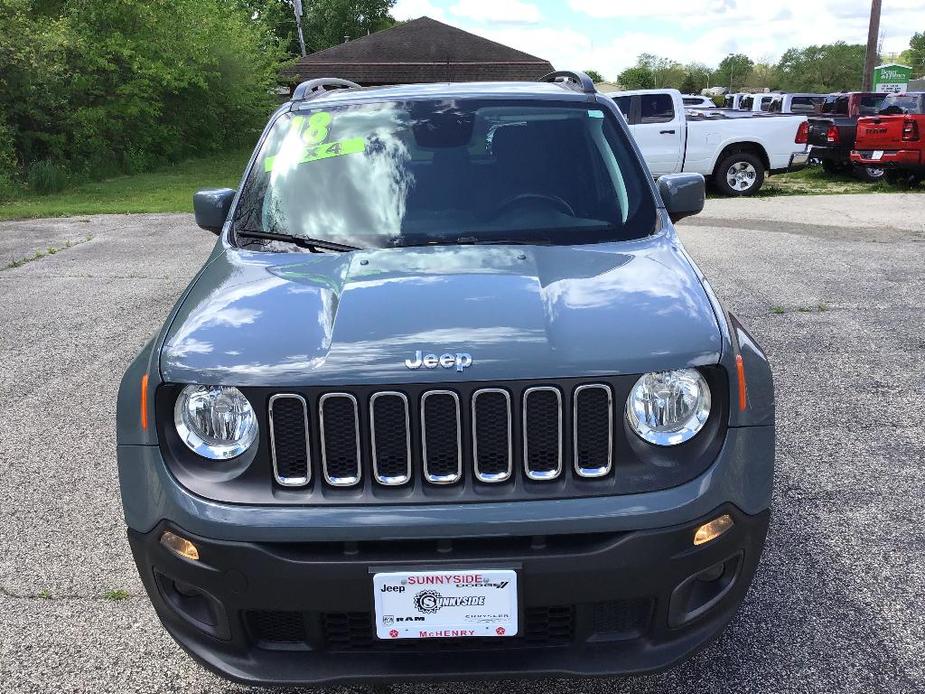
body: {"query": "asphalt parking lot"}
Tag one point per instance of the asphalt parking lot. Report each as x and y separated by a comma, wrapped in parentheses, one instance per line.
(833, 288)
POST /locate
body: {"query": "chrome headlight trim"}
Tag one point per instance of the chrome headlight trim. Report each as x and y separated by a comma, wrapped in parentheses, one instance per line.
(679, 399)
(199, 441)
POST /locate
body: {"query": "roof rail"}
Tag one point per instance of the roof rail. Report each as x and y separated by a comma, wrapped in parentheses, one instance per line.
(571, 79)
(312, 88)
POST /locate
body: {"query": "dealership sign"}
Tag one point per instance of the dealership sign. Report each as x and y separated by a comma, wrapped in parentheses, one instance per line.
(892, 78)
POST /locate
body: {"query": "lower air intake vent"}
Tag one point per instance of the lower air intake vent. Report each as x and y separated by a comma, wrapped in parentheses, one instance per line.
(269, 628)
(340, 439)
(542, 433)
(542, 627)
(442, 449)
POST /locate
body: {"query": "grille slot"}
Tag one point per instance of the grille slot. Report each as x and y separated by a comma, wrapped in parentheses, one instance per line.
(593, 430)
(340, 439)
(491, 435)
(289, 444)
(441, 437)
(542, 414)
(390, 433)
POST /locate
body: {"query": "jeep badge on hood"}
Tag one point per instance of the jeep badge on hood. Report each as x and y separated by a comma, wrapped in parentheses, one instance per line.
(461, 360)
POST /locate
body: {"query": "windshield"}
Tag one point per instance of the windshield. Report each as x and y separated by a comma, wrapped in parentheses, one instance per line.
(411, 173)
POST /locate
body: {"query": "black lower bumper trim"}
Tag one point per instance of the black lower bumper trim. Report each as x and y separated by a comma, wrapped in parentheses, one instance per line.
(602, 604)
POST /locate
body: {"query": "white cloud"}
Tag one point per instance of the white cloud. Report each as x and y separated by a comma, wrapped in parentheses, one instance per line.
(705, 30)
(412, 9)
(764, 28)
(508, 11)
(683, 30)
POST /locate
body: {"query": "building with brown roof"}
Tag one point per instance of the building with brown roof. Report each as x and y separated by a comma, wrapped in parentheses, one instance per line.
(422, 50)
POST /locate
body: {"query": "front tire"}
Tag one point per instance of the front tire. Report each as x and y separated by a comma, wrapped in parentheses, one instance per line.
(870, 174)
(739, 174)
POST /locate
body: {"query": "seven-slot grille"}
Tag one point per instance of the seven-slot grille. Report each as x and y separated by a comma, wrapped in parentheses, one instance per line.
(455, 435)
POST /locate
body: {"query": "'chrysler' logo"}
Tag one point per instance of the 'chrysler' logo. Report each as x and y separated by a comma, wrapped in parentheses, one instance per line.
(461, 360)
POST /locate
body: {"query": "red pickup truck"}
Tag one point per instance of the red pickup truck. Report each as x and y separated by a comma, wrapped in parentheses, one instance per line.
(832, 132)
(894, 138)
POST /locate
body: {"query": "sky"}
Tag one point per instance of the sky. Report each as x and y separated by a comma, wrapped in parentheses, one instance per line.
(607, 35)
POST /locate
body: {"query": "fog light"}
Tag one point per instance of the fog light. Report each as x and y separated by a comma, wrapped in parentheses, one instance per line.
(712, 530)
(181, 546)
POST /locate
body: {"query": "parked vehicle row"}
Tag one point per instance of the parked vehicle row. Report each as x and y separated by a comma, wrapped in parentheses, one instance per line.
(891, 141)
(735, 152)
(773, 102)
(832, 133)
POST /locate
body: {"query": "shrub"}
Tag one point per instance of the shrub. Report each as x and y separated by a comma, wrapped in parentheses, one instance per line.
(127, 86)
(47, 177)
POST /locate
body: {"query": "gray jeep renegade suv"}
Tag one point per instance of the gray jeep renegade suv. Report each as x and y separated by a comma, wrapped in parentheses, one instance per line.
(448, 384)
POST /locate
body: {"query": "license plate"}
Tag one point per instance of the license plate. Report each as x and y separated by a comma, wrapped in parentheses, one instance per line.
(877, 155)
(445, 604)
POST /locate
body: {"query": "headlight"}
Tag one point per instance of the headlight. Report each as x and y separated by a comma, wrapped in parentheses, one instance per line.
(216, 422)
(668, 407)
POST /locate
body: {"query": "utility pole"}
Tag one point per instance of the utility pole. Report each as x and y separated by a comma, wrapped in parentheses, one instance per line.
(297, 10)
(873, 33)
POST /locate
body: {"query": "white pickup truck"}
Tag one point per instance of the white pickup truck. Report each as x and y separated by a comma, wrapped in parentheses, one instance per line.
(736, 149)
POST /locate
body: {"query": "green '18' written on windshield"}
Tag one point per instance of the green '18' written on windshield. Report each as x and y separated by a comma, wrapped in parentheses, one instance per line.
(313, 133)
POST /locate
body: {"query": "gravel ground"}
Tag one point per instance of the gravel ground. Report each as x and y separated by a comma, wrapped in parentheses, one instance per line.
(835, 607)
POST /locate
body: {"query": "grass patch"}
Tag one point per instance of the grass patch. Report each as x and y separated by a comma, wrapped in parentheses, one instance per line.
(38, 255)
(814, 181)
(116, 594)
(44, 595)
(166, 190)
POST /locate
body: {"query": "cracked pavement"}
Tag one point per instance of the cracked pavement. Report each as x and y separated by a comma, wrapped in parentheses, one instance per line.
(832, 286)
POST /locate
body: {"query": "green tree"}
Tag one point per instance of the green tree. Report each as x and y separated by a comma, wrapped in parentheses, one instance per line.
(763, 75)
(734, 71)
(689, 85)
(700, 76)
(594, 75)
(666, 73)
(327, 22)
(638, 77)
(916, 53)
(825, 68)
(108, 86)
(277, 17)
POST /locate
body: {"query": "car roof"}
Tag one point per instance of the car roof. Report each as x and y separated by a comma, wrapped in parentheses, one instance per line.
(402, 92)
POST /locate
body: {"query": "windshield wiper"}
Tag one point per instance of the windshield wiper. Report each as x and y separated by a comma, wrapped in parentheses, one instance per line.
(301, 241)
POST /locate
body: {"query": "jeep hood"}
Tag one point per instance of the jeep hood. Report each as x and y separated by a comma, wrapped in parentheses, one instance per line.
(521, 312)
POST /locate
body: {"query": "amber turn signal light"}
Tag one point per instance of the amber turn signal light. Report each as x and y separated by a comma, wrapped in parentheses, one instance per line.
(180, 546)
(712, 530)
(144, 402)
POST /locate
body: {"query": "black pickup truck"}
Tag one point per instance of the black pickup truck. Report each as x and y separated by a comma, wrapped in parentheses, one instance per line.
(832, 133)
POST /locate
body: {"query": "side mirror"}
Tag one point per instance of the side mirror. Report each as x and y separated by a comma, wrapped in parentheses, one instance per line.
(211, 208)
(683, 194)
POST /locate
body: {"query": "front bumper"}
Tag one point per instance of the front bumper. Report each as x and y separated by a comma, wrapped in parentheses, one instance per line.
(899, 158)
(591, 603)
